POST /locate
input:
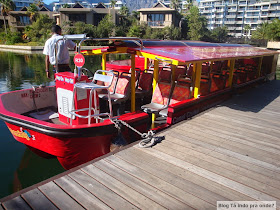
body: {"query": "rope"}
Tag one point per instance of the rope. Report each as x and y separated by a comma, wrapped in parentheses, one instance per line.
(148, 138)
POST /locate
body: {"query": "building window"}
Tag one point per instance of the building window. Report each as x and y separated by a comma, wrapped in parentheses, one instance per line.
(156, 19)
(77, 17)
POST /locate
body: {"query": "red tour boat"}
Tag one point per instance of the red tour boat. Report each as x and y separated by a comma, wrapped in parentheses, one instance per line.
(75, 120)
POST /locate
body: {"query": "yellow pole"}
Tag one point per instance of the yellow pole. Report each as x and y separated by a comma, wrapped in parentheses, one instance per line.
(132, 82)
(231, 71)
(198, 67)
(156, 69)
(260, 66)
(146, 64)
(173, 69)
(104, 61)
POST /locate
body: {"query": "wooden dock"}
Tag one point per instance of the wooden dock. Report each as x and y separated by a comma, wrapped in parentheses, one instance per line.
(229, 153)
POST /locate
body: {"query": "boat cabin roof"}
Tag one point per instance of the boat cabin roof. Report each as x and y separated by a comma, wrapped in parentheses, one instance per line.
(190, 51)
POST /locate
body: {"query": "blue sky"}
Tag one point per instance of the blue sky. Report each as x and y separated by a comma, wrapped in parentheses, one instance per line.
(48, 1)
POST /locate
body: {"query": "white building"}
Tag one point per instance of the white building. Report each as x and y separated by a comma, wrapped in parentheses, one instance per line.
(236, 14)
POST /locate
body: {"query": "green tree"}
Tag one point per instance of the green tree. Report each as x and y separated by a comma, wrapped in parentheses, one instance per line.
(32, 12)
(261, 32)
(40, 29)
(175, 4)
(196, 23)
(172, 33)
(219, 34)
(113, 3)
(124, 11)
(6, 7)
(137, 30)
(273, 31)
(247, 29)
(66, 6)
(105, 27)
(83, 28)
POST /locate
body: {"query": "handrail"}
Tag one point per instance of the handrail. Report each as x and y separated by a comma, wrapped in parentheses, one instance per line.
(134, 39)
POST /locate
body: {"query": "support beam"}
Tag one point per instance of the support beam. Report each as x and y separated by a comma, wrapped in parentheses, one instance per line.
(156, 72)
(146, 63)
(104, 61)
(198, 67)
(132, 82)
(231, 71)
(260, 67)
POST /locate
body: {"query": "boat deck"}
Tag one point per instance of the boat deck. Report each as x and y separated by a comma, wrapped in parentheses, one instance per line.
(229, 153)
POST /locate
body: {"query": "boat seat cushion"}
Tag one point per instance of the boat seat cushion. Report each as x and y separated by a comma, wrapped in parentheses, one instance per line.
(153, 107)
(161, 93)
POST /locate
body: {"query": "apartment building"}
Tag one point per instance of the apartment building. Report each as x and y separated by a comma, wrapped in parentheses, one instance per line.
(236, 14)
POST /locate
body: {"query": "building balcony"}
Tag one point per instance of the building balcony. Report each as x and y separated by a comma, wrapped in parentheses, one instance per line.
(230, 16)
(230, 22)
(19, 24)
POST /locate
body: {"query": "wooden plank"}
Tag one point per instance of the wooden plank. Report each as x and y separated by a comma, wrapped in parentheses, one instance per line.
(206, 154)
(162, 185)
(243, 121)
(240, 148)
(215, 125)
(225, 135)
(212, 176)
(228, 168)
(222, 170)
(240, 125)
(37, 200)
(171, 174)
(222, 154)
(261, 118)
(80, 194)
(16, 203)
(140, 186)
(56, 195)
(230, 150)
(134, 197)
(103, 193)
(236, 140)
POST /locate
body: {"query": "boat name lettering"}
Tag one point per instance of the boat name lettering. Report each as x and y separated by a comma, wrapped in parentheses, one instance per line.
(59, 78)
(71, 81)
(22, 134)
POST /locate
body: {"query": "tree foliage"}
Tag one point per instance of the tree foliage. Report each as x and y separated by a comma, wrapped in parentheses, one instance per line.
(40, 29)
(32, 11)
(196, 23)
(219, 34)
(273, 32)
(261, 31)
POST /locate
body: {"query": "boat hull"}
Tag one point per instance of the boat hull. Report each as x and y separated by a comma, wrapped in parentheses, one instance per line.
(77, 145)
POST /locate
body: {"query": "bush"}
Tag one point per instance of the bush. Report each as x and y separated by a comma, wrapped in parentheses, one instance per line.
(10, 38)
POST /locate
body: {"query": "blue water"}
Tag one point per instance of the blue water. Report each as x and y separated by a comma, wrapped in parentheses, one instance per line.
(19, 167)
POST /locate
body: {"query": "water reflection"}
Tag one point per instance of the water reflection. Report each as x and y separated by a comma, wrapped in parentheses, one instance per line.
(21, 168)
(33, 169)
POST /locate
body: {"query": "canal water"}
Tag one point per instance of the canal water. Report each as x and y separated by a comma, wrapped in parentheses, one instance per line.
(19, 167)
